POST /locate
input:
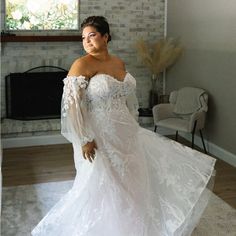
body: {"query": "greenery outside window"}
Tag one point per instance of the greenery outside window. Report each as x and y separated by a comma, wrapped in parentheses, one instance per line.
(42, 15)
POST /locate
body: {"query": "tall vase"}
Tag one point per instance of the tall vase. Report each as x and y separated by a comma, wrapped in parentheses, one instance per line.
(153, 94)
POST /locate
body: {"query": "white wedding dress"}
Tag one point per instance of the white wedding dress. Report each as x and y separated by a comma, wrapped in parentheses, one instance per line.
(140, 183)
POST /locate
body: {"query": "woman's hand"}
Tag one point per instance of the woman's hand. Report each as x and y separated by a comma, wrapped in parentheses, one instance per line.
(89, 151)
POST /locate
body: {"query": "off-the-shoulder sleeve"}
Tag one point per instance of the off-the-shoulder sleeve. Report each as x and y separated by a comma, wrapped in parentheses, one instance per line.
(74, 120)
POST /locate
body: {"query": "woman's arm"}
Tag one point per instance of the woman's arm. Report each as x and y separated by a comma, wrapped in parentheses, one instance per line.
(75, 126)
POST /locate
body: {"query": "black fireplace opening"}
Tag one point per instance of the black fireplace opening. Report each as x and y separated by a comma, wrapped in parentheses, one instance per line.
(34, 95)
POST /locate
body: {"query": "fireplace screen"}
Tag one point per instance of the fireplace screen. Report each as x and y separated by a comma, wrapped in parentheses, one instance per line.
(37, 95)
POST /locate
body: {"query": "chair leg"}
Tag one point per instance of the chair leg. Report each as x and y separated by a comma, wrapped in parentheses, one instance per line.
(176, 135)
(203, 144)
(155, 128)
(193, 132)
(192, 140)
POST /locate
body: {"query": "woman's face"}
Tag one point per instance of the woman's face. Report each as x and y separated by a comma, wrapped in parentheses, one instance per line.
(93, 41)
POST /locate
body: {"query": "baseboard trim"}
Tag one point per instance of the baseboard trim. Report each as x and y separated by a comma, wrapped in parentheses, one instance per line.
(213, 149)
(33, 141)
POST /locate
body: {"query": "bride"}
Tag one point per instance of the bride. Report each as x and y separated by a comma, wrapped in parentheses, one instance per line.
(129, 181)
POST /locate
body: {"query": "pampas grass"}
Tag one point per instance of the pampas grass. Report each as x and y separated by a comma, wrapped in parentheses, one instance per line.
(159, 55)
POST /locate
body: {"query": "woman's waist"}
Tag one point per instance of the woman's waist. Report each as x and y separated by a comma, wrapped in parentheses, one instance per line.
(106, 107)
(101, 115)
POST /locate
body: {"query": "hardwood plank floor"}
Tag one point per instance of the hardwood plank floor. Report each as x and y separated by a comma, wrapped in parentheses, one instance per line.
(40, 164)
(225, 182)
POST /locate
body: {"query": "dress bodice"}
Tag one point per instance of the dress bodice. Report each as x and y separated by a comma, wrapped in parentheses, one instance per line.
(105, 92)
(89, 103)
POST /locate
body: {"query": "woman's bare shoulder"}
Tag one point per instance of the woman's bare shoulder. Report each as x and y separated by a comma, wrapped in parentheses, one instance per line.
(118, 61)
(80, 66)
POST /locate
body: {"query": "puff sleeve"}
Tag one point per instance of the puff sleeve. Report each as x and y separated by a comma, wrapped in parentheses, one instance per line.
(74, 118)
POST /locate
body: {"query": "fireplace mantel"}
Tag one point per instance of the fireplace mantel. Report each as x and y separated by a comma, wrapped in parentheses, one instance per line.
(38, 38)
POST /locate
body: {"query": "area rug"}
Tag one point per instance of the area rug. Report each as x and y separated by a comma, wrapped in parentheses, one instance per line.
(24, 206)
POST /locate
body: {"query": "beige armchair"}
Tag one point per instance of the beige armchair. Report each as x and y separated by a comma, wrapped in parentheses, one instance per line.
(186, 112)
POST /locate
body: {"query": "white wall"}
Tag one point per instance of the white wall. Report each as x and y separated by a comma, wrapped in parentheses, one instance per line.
(207, 30)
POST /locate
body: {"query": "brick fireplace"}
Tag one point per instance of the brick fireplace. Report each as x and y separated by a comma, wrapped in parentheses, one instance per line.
(20, 57)
(34, 95)
(129, 21)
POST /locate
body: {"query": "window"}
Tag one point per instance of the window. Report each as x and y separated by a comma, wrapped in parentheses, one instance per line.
(42, 15)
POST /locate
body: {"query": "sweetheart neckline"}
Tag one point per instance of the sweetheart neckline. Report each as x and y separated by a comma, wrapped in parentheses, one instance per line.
(112, 77)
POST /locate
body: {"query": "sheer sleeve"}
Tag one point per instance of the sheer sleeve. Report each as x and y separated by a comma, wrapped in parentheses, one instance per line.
(74, 120)
(133, 105)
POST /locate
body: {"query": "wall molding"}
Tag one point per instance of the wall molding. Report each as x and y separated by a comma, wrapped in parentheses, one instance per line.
(213, 149)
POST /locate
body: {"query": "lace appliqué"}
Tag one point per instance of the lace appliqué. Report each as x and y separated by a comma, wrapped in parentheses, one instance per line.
(72, 85)
(119, 165)
(73, 93)
(106, 93)
(85, 140)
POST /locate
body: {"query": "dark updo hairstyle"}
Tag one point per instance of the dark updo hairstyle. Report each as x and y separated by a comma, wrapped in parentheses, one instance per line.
(99, 23)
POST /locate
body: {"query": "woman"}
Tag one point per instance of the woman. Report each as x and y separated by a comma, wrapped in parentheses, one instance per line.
(130, 181)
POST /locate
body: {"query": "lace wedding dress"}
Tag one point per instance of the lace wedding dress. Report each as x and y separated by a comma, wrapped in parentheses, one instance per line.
(140, 183)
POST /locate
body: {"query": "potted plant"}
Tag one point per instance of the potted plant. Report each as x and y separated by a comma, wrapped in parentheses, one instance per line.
(157, 57)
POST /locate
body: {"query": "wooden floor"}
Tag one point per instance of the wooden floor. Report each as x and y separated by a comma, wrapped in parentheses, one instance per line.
(29, 165)
(39, 164)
